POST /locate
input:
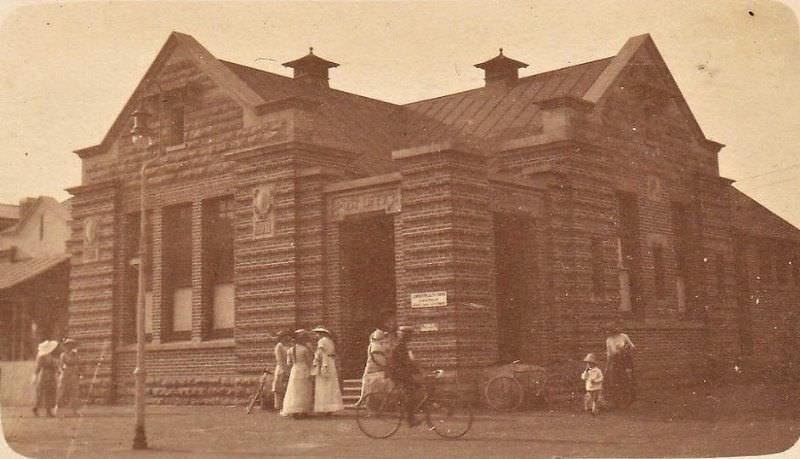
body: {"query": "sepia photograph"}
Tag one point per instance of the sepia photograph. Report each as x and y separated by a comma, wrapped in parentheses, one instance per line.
(399, 229)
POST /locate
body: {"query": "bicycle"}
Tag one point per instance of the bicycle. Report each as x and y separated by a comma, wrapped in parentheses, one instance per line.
(506, 393)
(259, 392)
(380, 414)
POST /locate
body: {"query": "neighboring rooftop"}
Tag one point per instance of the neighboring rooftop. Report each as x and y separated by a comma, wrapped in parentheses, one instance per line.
(9, 211)
(12, 274)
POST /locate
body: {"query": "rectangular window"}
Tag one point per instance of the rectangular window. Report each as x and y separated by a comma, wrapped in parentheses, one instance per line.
(658, 271)
(218, 262)
(175, 127)
(628, 227)
(598, 274)
(177, 272)
(131, 247)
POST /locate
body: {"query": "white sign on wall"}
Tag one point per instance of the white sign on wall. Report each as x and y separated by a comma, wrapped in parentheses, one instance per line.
(429, 327)
(429, 299)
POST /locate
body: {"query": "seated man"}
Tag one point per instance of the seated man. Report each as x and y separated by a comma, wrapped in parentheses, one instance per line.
(404, 372)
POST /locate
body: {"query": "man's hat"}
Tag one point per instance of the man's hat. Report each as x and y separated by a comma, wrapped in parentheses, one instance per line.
(283, 334)
(590, 358)
(321, 329)
(69, 342)
(405, 328)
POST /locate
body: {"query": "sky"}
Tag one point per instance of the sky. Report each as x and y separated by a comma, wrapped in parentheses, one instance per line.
(67, 68)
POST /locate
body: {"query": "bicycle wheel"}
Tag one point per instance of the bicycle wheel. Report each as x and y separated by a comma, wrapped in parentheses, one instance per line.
(379, 414)
(503, 393)
(449, 416)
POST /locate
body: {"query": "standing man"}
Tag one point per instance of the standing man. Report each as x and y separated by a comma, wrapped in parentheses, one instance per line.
(69, 378)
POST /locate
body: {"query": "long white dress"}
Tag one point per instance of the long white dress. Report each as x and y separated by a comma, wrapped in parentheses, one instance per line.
(300, 389)
(327, 394)
(378, 351)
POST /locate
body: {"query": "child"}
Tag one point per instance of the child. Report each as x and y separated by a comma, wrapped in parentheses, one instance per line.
(594, 384)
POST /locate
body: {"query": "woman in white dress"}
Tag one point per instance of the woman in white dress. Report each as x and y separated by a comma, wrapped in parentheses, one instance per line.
(298, 401)
(280, 377)
(327, 393)
(378, 352)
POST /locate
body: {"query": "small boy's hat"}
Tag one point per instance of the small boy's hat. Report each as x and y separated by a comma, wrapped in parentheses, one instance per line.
(590, 358)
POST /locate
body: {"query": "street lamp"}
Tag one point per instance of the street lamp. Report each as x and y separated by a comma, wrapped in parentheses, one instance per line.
(141, 136)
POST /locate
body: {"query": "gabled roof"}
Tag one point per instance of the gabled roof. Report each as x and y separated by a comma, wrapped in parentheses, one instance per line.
(12, 274)
(753, 218)
(374, 128)
(40, 201)
(200, 56)
(616, 67)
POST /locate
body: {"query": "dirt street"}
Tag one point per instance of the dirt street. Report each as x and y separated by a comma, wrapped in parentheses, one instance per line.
(731, 421)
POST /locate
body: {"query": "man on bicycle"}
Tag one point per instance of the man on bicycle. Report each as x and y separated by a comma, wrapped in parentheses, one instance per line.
(405, 373)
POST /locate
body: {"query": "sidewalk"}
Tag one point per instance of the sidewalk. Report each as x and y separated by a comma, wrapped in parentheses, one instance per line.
(742, 420)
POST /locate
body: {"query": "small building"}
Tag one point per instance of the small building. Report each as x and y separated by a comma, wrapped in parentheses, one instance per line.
(34, 276)
(510, 221)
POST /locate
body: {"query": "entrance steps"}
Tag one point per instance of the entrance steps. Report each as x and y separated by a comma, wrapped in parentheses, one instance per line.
(351, 390)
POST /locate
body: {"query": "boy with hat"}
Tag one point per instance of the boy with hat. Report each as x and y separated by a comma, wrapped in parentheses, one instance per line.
(594, 384)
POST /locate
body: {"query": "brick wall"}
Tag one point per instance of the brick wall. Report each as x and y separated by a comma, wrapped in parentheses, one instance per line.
(445, 244)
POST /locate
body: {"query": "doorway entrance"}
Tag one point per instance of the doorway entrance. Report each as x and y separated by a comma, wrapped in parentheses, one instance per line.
(514, 262)
(367, 248)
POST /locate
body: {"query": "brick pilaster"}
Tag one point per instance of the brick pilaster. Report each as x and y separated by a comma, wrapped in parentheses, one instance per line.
(445, 243)
(265, 266)
(93, 280)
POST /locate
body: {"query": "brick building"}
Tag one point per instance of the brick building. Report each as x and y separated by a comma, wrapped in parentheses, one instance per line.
(508, 221)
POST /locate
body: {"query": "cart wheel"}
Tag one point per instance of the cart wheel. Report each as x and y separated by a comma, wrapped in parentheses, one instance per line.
(504, 393)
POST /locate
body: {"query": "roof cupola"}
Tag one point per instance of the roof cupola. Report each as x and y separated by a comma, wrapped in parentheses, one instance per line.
(311, 68)
(501, 70)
